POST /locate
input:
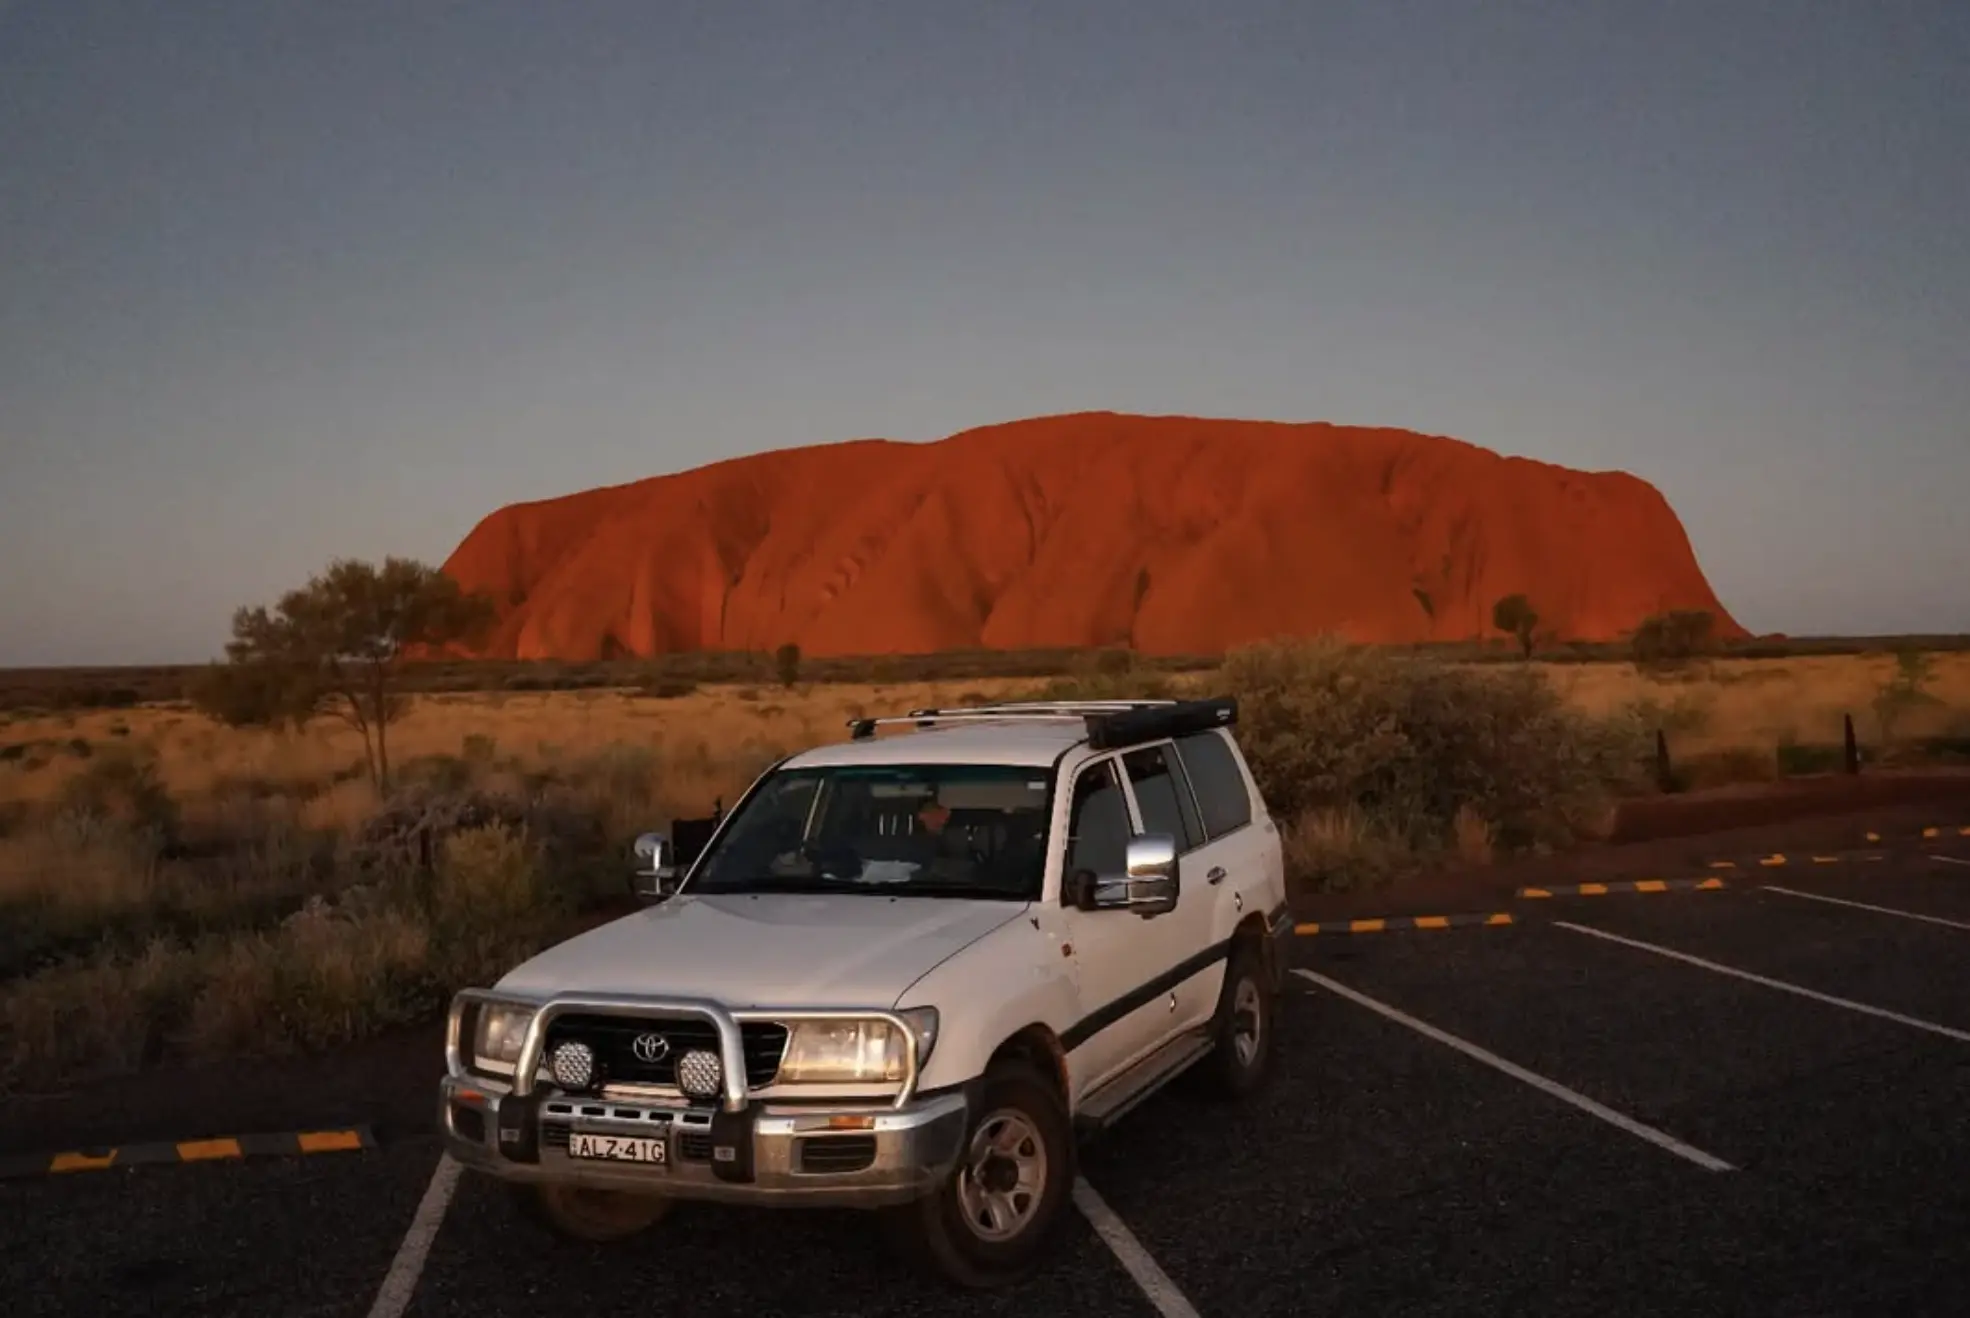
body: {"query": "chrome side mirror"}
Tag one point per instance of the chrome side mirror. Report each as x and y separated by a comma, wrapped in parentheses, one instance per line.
(1150, 885)
(655, 875)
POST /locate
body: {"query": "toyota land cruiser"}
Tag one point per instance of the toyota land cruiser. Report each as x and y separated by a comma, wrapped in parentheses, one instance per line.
(903, 972)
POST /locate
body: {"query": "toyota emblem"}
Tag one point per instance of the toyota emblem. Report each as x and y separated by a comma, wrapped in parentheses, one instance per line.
(650, 1047)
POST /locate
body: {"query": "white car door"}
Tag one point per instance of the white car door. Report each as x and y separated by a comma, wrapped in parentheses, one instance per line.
(1242, 844)
(1120, 961)
(1165, 803)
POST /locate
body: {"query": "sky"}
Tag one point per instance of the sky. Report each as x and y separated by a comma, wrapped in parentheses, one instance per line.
(282, 283)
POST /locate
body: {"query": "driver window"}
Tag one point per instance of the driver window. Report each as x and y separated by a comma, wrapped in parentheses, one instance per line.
(1098, 822)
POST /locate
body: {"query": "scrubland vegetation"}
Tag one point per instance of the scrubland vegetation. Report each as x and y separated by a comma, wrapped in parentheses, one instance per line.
(171, 885)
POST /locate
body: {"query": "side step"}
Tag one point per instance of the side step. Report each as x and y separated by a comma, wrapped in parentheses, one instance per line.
(1119, 1096)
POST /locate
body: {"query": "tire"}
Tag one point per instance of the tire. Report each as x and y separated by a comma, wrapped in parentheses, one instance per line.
(947, 1234)
(1245, 1030)
(593, 1217)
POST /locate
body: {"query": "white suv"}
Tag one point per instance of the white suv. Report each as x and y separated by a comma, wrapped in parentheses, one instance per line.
(903, 972)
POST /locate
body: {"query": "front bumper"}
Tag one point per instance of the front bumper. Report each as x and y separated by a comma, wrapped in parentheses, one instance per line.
(838, 1155)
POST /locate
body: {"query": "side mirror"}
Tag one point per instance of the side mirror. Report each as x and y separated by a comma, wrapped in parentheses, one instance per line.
(655, 875)
(1150, 885)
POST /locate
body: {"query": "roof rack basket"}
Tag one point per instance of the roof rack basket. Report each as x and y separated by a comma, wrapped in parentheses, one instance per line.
(1110, 723)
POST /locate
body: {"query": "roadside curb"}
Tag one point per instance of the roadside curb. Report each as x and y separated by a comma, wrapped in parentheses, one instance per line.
(225, 1148)
(1622, 886)
(1392, 923)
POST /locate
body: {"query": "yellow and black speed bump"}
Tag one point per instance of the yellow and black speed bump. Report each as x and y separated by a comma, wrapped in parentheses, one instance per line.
(1627, 885)
(1392, 923)
(229, 1148)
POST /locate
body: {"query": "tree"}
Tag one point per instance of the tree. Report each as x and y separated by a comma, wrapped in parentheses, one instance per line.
(347, 631)
(1906, 691)
(1514, 615)
(1666, 641)
(257, 693)
(786, 663)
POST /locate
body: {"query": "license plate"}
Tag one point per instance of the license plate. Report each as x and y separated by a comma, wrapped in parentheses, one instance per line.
(616, 1148)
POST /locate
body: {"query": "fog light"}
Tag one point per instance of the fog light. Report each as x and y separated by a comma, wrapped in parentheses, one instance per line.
(700, 1074)
(572, 1065)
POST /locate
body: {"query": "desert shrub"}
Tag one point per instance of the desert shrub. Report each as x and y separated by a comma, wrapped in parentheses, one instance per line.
(255, 694)
(786, 664)
(1413, 743)
(324, 977)
(1665, 643)
(406, 834)
(618, 786)
(104, 1015)
(438, 771)
(1907, 691)
(80, 860)
(667, 688)
(1341, 849)
(490, 905)
(123, 785)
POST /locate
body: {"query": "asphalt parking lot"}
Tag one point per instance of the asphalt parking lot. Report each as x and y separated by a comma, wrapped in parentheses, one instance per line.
(1755, 1104)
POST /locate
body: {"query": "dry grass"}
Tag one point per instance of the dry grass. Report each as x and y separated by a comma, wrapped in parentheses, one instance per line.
(706, 741)
(1760, 704)
(168, 885)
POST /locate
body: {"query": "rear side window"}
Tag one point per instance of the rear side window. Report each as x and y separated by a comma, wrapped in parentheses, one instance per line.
(1220, 787)
(1163, 795)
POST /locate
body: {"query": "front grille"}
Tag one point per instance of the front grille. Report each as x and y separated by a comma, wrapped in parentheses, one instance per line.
(694, 1145)
(837, 1153)
(612, 1036)
(554, 1135)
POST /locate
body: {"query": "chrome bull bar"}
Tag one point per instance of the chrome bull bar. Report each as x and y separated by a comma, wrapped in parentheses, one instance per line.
(735, 1092)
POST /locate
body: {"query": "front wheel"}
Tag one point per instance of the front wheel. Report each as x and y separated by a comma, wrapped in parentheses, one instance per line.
(988, 1223)
(595, 1217)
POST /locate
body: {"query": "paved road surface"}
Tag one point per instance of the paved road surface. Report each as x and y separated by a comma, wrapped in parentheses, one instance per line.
(1513, 1121)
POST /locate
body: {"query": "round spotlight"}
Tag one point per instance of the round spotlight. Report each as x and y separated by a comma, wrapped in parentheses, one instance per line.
(700, 1074)
(572, 1065)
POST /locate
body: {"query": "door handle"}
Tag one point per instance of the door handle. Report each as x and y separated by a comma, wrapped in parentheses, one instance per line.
(1216, 874)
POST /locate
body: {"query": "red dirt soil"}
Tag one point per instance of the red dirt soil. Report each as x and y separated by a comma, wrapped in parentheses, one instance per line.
(1172, 535)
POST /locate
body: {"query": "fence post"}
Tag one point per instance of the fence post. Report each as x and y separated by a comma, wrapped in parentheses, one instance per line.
(1664, 779)
(1852, 757)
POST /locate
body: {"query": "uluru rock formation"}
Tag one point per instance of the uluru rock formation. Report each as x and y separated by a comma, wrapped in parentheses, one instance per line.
(1171, 534)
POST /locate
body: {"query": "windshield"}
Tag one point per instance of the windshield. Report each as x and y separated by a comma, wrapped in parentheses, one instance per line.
(891, 830)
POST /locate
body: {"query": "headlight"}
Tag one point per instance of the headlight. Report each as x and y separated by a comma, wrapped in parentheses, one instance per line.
(496, 1043)
(855, 1050)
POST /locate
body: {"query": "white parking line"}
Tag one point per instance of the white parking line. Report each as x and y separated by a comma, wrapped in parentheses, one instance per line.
(1661, 1140)
(1115, 1233)
(1861, 1007)
(401, 1281)
(1864, 906)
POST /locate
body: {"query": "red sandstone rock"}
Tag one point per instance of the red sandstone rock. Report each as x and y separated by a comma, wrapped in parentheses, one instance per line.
(1172, 534)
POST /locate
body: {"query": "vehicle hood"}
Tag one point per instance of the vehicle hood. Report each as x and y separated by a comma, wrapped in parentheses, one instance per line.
(766, 950)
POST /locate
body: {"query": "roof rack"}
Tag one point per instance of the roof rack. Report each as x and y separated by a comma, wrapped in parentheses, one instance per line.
(1109, 723)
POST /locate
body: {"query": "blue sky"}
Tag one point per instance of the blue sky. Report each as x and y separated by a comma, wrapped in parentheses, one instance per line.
(284, 282)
